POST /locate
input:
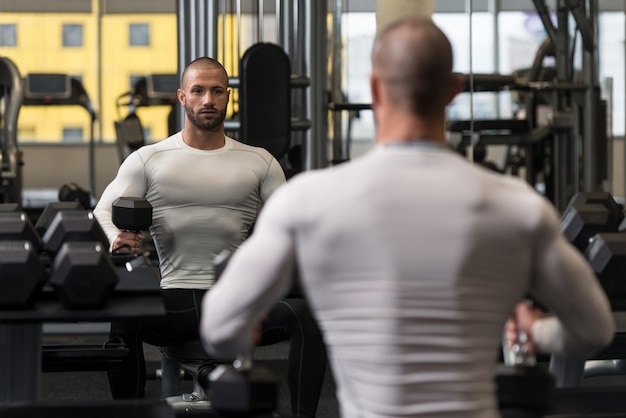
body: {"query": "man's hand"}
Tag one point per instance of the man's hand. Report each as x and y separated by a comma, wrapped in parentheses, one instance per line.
(128, 242)
(522, 320)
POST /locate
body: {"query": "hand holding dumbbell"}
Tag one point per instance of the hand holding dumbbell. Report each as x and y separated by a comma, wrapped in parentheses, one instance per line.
(518, 334)
(131, 215)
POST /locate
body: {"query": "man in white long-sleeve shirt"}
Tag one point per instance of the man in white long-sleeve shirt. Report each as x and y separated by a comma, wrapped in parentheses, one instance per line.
(206, 190)
(412, 257)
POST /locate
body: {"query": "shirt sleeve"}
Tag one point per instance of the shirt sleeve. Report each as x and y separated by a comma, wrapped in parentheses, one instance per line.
(581, 321)
(273, 180)
(129, 182)
(229, 315)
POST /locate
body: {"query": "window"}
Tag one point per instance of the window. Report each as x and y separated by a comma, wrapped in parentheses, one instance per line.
(139, 34)
(8, 34)
(72, 35)
(73, 135)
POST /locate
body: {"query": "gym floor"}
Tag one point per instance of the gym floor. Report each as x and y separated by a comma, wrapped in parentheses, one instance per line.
(81, 386)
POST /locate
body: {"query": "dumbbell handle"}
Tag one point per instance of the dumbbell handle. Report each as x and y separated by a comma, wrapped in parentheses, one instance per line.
(518, 354)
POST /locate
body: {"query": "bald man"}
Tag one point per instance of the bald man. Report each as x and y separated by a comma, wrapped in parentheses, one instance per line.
(206, 190)
(411, 257)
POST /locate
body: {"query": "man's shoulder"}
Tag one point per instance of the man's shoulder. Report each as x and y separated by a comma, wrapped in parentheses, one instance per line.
(252, 150)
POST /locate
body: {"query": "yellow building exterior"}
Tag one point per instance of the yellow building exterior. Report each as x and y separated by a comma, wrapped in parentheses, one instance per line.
(105, 63)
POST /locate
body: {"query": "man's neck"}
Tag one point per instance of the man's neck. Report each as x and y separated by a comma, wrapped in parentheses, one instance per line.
(203, 140)
(410, 130)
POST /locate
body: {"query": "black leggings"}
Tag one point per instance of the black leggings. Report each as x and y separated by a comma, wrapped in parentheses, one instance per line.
(289, 319)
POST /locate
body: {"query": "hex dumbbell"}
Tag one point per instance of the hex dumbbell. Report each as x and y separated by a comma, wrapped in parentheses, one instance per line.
(82, 273)
(22, 274)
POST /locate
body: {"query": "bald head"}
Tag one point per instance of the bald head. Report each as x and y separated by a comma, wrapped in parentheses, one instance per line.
(413, 59)
(202, 63)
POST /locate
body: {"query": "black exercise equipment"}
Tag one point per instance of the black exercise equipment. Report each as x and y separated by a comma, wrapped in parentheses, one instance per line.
(16, 226)
(132, 213)
(50, 211)
(580, 222)
(11, 96)
(616, 214)
(73, 225)
(72, 192)
(590, 213)
(10, 207)
(522, 384)
(83, 275)
(22, 274)
(50, 89)
(606, 254)
(243, 390)
(265, 98)
(150, 90)
(134, 408)
(129, 133)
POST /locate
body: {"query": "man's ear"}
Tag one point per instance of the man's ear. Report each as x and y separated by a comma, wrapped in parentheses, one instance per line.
(375, 90)
(181, 96)
(456, 86)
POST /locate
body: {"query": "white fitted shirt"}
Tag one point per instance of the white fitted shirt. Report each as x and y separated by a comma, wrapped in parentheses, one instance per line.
(412, 260)
(203, 202)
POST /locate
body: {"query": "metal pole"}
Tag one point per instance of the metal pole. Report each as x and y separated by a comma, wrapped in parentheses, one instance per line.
(590, 118)
(278, 10)
(316, 139)
(562, 141)
(260, 17)
(223, 45)
(197, 34)
(473, 137)
(238, 30)
(336, 83)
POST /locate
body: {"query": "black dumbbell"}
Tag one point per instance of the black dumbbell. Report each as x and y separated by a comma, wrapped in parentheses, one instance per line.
(15, 225)
(10, 207)
(581, 221)
(82, 272)
(521, 384)
(606, 254)
(616, 214)
(49, 212)
(132, 214)
(83, 275)
(590, 213)
(72, 225)
(22, 274)
(243, 390)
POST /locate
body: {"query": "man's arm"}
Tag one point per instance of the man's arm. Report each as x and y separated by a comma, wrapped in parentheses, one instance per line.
(257, 275)
(582, 320)
(129, 182)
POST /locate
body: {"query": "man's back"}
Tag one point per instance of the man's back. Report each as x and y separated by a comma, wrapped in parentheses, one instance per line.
(413, 304)
(412, 260)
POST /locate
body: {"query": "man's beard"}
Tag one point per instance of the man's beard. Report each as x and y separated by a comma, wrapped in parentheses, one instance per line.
(206, 124)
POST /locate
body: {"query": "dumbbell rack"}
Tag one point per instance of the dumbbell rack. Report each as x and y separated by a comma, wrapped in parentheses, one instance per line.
(136, 296)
